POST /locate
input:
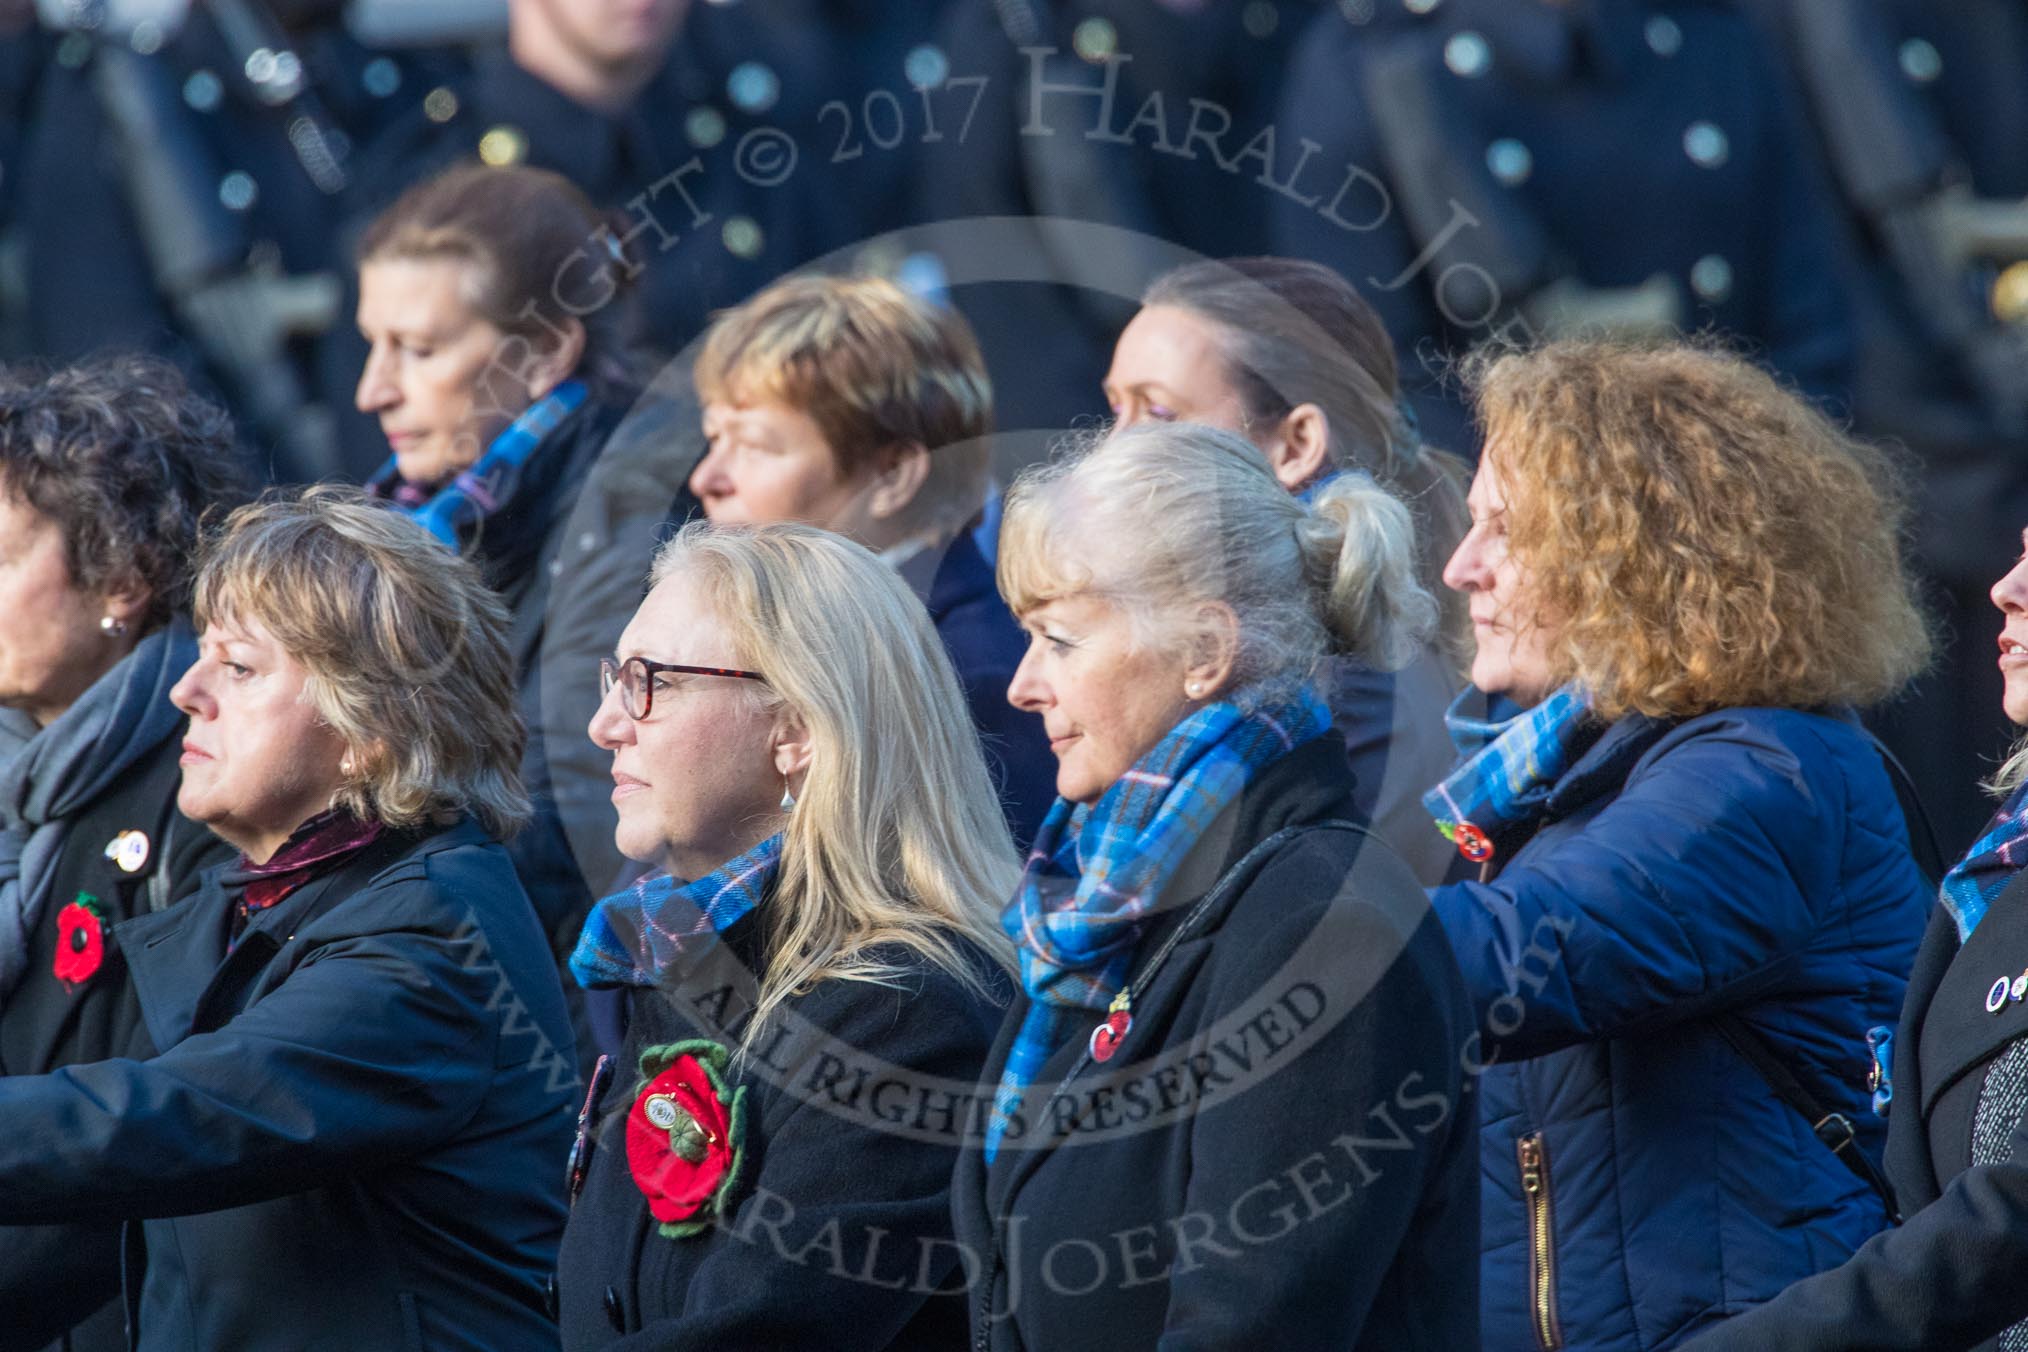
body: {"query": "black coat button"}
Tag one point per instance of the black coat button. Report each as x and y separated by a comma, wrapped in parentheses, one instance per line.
(614, 1313)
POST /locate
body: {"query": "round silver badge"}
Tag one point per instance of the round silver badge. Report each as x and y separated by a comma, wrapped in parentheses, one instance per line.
(662, 1111)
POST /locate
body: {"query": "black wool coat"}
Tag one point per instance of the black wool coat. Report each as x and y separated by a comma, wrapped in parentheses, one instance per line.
(837, 1234)
(52, 1277)
(1952, 1274)
(352, 1129)
(1283, 1150)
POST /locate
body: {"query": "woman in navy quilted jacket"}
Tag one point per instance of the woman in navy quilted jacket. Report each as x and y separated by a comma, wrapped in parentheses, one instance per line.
(1682, 579)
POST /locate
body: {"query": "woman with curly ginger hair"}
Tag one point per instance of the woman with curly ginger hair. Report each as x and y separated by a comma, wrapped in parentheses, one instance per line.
(1693, 865)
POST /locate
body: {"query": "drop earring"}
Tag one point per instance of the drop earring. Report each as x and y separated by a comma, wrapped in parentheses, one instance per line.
(788, 799)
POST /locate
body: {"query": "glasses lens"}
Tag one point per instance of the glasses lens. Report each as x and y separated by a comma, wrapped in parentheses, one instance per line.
(634, 694)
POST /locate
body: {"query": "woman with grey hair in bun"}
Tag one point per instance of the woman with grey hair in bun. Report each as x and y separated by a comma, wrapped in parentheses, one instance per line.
(1227, 981)
(1289, 355)
(105, 469)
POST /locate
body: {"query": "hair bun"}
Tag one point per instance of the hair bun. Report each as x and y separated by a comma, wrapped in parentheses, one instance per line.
(1358, 545)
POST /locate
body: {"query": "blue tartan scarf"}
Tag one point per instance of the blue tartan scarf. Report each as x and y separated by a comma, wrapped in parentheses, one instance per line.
(1098, 871)
(486, 485)
(1510, 765)
(1995, 857)
(632, 937)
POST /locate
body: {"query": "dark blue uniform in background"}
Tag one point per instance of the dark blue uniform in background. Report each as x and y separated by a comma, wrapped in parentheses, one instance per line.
(1645, 149)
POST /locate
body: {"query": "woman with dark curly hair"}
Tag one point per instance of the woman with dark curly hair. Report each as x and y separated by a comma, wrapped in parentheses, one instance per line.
(1696, 894)
(105, 470)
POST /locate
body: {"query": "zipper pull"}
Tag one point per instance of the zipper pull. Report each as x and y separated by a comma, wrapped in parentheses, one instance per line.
(1531, 1165)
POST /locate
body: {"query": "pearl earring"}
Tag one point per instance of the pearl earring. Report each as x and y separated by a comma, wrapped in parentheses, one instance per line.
(112, 626)
(1192, 689)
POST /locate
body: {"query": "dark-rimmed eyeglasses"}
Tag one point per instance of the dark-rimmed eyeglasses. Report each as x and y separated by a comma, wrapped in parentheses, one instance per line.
(636, 680)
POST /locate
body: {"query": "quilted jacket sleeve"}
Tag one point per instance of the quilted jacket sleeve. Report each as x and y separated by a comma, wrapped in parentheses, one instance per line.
(1736, 844)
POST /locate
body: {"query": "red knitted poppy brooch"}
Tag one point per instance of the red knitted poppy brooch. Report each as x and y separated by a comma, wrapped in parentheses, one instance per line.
(80, 940)
(685, 1136)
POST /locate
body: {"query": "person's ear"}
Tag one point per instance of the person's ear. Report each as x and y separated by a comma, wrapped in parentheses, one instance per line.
(125, 603)
(898, 476)
(552, 366)
(1301, 449)
(793, 748)
(1214, 652)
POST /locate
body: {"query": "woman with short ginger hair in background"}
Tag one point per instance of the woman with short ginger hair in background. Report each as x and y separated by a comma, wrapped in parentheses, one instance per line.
(853, 405)
(1692, 861)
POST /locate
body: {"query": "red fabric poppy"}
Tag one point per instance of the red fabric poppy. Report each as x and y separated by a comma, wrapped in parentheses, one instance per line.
(684, 1132)
(80, 941)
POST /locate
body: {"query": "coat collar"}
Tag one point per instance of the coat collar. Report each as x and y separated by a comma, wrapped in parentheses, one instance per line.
(1312, 784)
(1963, 1024)
(183, 977)
(948, 575)
(1601, 771)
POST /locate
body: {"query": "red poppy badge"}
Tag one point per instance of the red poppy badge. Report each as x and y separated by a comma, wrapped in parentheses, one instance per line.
(80, 940)
(685, 1136)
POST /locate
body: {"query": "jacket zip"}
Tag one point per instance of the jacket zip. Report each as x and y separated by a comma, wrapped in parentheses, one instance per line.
(1541, 1240)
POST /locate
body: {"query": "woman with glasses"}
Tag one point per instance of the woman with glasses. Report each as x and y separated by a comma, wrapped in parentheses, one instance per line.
(811, 972)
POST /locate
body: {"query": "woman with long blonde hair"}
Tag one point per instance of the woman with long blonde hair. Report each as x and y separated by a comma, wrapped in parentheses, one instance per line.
(811, 974)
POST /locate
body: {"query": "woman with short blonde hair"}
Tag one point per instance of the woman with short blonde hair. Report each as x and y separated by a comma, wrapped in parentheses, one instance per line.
(358, 1031)
(878, 370)
(812, 973)
(1696, 885)
(1223, 971)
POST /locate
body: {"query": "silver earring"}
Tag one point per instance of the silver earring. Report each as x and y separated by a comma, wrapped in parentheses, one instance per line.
(112, 626)
(788, 799)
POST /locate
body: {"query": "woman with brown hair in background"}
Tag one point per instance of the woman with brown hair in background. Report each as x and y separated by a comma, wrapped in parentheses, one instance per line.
(494, 303)
(1287, 354)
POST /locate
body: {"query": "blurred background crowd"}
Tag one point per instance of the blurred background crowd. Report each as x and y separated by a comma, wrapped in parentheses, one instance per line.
(1834, 185)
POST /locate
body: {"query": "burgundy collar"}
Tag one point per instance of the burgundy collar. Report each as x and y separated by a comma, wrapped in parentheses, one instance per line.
(326, 839)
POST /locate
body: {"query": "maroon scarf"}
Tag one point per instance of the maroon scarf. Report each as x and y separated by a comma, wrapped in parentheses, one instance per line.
(329, 838)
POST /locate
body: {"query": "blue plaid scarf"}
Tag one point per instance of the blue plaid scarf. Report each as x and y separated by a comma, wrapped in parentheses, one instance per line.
(1995, 857)
(632, 937)
(488, 483)
(1510, 765)
(1098, 871)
